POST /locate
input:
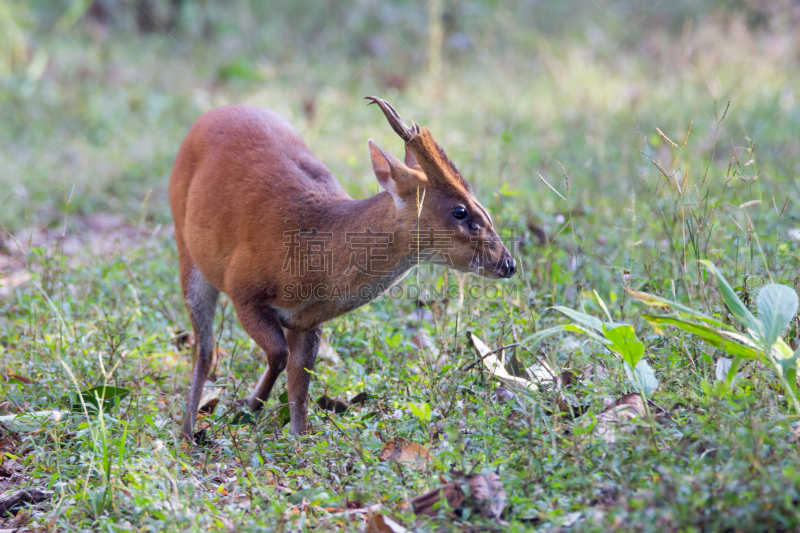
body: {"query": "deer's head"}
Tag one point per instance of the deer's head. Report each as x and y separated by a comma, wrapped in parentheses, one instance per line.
(454, 229)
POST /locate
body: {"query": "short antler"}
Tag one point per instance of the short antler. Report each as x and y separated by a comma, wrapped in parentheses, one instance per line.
(394, 119)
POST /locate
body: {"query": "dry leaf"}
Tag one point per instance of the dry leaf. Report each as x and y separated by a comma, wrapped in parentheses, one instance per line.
(210, 398)
(617, 416)
(332, 404)
(423, 342)
(14, 502)
(567, 401)
(183, 340)
(380, 523)
(591, 371)
(566, 380)
(489, 493)
(504, 395)
(400, 450)
(21, 379)
(540, 372)
(326, 354)
(451, 492)
(496, 367)
(487, 496)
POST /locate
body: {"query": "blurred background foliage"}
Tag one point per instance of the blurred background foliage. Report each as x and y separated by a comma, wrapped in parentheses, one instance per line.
(96, 95)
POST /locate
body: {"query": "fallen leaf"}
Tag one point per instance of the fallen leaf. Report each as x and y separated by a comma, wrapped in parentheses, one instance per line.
(425, 504)
(496, 367)
(540, 372)
(567, 401)
(210, 398)
(489, 493)
(326, 354)
(380, 523)
(504, 395)
(486, 495)
(332, 404)
(400, 450)
(422, 342)
(22, 379)
(11, 504)
(183, 340)
(570, 519)
(566, 380)
(595, 372)
(617, 416)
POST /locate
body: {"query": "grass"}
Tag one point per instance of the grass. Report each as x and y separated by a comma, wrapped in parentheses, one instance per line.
(532, 90)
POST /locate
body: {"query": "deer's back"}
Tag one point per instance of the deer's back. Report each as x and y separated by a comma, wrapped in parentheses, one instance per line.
(243, 178)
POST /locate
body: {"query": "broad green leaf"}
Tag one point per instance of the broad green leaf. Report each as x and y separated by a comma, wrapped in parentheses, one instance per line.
(642, 379)
(710, 335)
(242, 418)
(422, 411)
(777, 306)
(284, 415)
(589, 333)
(625, 342)
(781, 350)
(656, 301)
(587, 320)
(539, 335)
(737, 308)
(789, 369)
(109, 396)
(789, 364)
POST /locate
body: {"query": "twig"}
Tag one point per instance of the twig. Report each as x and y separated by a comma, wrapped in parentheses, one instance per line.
(487, 354)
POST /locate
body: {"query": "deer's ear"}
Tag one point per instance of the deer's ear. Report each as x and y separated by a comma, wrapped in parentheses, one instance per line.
(411, 161)
(394, 176)
(382, 164)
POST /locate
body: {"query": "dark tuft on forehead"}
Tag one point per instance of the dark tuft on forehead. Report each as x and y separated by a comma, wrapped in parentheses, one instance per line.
(441, 171)
(453, 169)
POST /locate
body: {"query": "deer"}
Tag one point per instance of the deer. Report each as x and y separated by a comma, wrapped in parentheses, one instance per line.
(261, 219)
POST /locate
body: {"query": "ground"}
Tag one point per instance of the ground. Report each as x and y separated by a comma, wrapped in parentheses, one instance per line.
(619, 145)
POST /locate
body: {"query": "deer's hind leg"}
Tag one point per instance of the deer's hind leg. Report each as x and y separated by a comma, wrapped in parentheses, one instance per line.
(264, 327)
(201, 301)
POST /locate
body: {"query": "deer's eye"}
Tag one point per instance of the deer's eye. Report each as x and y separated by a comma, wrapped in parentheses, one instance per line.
(459, 212)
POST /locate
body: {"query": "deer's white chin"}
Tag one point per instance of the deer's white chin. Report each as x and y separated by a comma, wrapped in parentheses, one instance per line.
(478, 271)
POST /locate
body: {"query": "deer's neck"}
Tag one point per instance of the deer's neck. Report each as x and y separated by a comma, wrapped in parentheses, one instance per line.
(372, 234)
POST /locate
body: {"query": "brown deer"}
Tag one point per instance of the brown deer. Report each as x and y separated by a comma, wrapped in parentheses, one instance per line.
(259, 218)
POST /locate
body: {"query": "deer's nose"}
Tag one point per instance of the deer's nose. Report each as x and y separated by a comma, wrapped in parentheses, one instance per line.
(509, 267)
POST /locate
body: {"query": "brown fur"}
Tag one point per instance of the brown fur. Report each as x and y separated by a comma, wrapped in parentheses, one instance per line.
(435, 162)
(243, 180)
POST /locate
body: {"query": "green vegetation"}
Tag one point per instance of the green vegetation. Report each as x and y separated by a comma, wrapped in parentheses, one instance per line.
(667, 138)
